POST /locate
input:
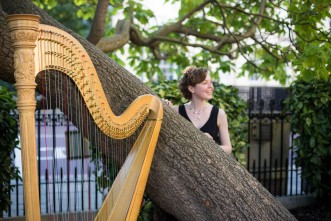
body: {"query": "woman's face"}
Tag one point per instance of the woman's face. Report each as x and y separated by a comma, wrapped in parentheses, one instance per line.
(204, 90)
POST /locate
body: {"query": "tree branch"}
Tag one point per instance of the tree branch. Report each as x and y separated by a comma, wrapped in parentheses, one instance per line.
(98, 25)
(121, 37)
(198, 8)
(188, 31)
(172, 40)
(232, 38)
(237, 39)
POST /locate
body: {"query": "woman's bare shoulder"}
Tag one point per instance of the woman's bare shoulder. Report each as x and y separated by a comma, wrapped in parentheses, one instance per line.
(221, 112)
(221, 117)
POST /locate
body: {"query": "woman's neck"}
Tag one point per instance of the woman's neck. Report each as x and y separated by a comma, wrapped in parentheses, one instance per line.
(197, 104)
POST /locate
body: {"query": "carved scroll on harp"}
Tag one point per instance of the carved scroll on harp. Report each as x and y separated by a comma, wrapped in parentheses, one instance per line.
(56, 51)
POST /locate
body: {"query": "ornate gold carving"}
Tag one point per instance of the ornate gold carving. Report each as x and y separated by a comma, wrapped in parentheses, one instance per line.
(28, 36)
(24, 65)
(26, 95)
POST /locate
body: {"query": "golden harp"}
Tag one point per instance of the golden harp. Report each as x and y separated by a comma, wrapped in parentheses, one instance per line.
(45, 49)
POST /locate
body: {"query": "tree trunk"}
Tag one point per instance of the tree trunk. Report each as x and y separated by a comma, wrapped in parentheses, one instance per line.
(191, 177)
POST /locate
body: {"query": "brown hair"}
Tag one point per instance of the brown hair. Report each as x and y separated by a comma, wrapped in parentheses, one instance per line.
(191, 76)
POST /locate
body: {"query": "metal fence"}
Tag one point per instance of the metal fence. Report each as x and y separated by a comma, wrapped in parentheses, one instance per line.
(270, 159)
(271, 156)
(75, 193)
(62, 187)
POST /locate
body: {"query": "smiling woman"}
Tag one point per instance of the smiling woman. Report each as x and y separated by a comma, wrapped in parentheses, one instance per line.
(197, 87)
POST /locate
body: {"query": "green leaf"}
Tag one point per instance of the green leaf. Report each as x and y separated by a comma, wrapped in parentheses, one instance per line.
(312, 142)
(308, 121)
(162, 93)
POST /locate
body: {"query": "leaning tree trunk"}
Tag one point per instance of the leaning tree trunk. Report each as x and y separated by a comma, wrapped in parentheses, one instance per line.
(191, 177)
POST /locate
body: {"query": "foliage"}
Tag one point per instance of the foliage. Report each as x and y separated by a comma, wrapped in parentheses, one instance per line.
(271, 37)
(310, 105)
(312, 44)
(8, 142)
(146, 210)
(225, 97)
(70, 13)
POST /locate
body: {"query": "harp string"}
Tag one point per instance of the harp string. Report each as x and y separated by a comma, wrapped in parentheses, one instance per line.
(45, 107)
(67, 110)
(64, 108)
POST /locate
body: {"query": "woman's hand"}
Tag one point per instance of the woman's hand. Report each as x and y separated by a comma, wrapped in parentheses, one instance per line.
(167, 102)
(208, 135)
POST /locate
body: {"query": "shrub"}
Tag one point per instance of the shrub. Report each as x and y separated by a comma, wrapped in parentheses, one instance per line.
(8, 142)
(310, 106)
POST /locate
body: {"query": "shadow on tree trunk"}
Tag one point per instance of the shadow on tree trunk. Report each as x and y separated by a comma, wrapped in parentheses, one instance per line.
(161, 215)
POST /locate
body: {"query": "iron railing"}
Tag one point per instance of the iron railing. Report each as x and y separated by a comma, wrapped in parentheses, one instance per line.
(271, 156)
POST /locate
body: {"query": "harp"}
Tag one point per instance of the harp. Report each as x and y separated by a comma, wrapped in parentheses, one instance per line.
(49, 50)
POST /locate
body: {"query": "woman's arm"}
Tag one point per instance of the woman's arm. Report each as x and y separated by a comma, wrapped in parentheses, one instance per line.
(222, 124)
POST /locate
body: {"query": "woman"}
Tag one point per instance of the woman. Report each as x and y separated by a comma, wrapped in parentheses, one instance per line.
(197, 87)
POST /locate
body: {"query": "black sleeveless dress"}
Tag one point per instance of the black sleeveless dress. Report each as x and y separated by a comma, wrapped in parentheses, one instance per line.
(210, 126)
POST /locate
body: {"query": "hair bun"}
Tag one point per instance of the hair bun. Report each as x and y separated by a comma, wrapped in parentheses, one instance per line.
(189, 69)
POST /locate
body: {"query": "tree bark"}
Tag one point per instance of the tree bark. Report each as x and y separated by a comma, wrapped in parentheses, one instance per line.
(191, 177)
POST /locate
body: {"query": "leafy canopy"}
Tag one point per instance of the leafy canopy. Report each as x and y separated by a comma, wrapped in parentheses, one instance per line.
(272, 38)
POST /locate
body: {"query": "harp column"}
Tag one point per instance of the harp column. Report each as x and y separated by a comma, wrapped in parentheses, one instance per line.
(24, 33)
